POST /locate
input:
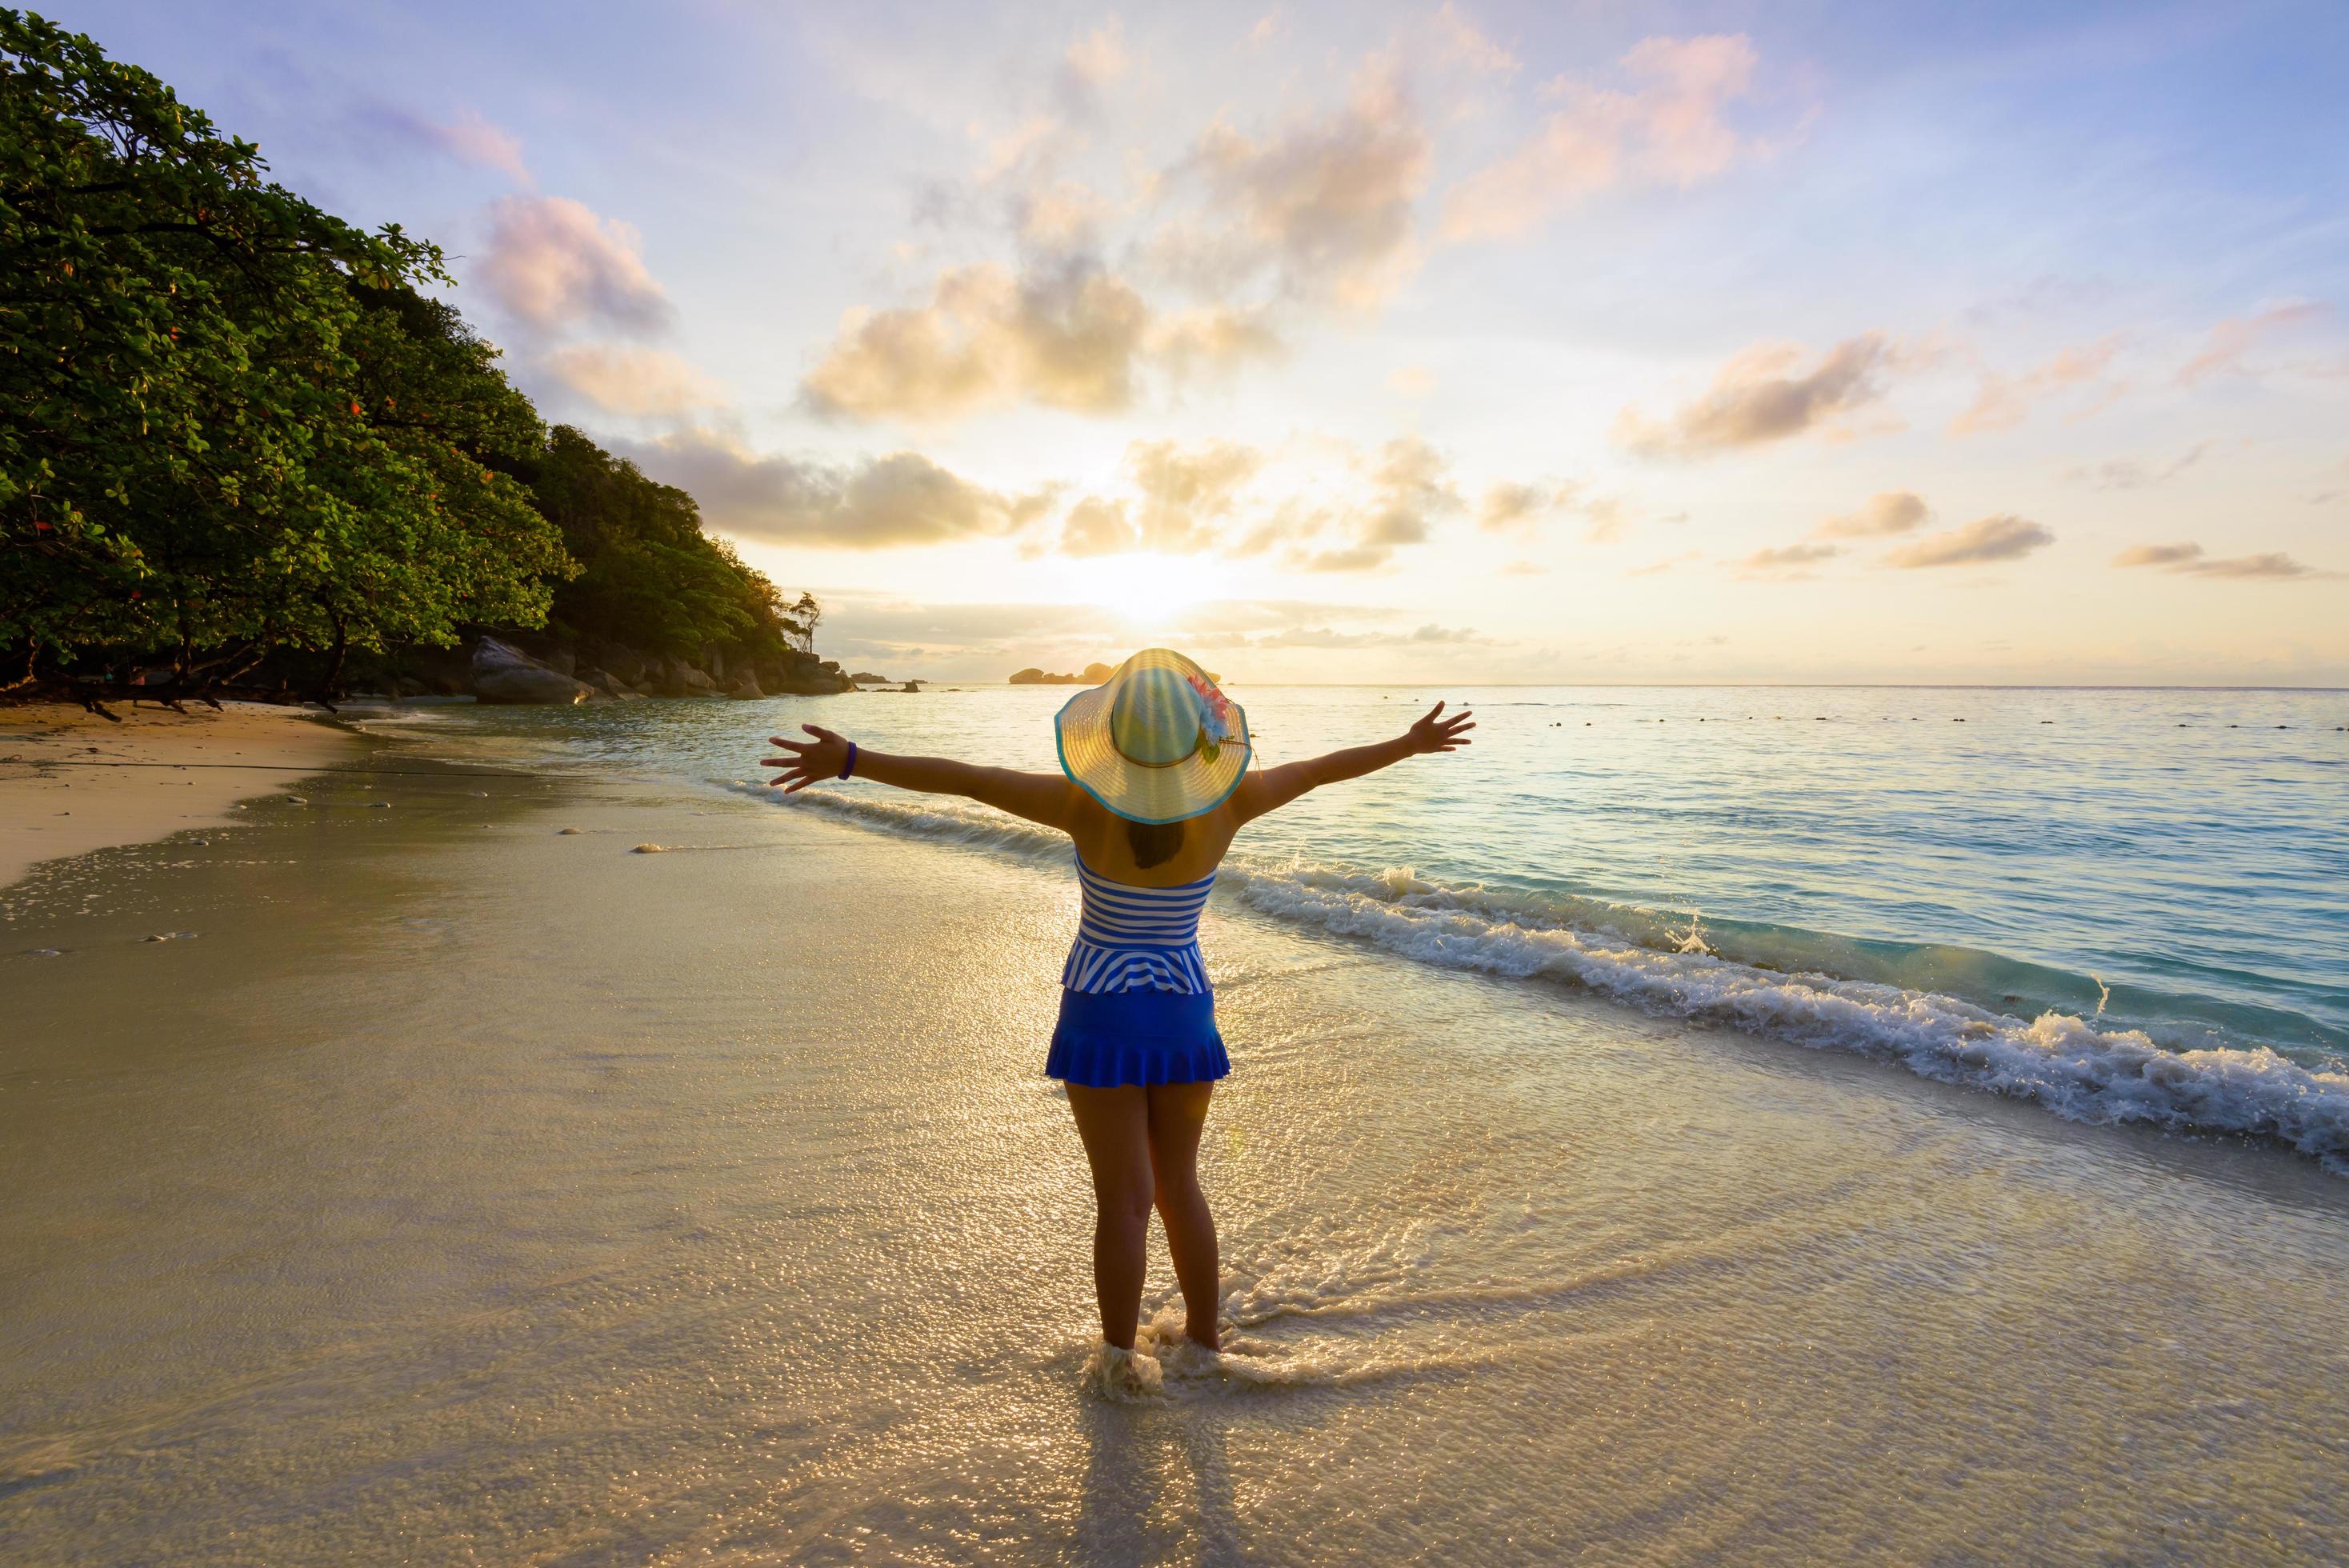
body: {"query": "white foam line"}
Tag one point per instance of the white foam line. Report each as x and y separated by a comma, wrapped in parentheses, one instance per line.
(2058, 1061)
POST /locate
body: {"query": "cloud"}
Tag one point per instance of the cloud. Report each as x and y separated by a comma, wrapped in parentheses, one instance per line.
(1210, 341)
(1414, 489)
(1525, 569)
(554, 264)
(2004, 537)
(1325, 637)
(471, 137)
(2001, 402)
(1884, 513)
(1672, 130)
(1412, 380)
(1461, 42)
(1510, 505)
(1066, 337)
(474, 137)
(873, 503)
(2136, 474)
(1658, 568)
(1787, 564)
(1183, 497)
(1093, 62)
(1350, 558)
(2223, 352)
(1186, 493)
(1097, 527)
(642, 382)
(1064, 334)
(1322, 208)
(1758, 396)
(2188, 557)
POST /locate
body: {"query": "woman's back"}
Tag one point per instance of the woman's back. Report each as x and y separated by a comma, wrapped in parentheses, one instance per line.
(1152, 855)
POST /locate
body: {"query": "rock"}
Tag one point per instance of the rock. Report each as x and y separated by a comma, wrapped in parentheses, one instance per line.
(697, 680)
(911, 686)
(650, 849)
(867, 677)
(746, 688)
(628, 665)
(507, 674)
(563, 660)
(408, 685)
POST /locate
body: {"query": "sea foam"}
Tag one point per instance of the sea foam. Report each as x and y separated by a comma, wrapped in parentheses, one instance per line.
(2062, 1062)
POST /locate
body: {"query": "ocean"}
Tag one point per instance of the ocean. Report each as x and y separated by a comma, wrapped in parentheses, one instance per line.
(2122, 905)
(456, 1184)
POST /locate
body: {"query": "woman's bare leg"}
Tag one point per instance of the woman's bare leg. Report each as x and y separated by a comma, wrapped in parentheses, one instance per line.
(1177, 1113)
(1115, 1126)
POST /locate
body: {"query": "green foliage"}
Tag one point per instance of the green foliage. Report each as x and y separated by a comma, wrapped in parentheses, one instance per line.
(227, 422)
(230, 424)
(651, 578)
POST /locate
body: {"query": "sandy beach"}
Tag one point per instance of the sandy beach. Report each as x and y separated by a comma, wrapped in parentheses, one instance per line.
(71, 782)
(461, 1187)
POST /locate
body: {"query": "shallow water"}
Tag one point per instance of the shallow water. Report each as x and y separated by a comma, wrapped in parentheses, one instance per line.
(2123, 904)
(463, 1191)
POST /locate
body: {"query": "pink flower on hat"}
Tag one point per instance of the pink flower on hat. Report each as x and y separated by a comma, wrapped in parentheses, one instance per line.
(1218, 724)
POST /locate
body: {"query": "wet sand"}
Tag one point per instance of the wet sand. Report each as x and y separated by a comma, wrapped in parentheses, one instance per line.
(463, 1190)
(71, 782)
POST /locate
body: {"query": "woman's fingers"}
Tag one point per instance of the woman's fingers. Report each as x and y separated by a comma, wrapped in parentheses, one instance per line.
(1431, 713)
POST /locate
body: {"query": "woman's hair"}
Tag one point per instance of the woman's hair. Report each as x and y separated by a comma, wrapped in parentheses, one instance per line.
(1154, 843)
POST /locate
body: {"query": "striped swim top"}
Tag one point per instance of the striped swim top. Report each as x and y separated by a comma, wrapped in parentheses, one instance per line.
(1137, 938)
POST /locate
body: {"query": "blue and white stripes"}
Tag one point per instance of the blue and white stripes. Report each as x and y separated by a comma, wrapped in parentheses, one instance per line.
(1137, 938)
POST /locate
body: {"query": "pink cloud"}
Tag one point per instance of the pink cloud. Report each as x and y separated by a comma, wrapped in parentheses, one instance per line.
(1670, 130)
(553, 262)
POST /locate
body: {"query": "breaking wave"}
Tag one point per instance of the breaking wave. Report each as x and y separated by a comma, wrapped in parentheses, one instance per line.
(2067, 1063)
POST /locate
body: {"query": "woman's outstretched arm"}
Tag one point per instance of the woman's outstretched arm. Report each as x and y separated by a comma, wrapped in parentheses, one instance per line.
(1040, 797)
(1277, 787)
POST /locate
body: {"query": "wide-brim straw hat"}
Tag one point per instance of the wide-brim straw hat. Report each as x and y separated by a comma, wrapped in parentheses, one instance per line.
(1156, 742)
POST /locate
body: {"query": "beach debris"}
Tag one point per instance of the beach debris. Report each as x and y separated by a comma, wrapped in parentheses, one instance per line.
(45, 952)
(479, 794)
(297, 799)
(170, 936)
(379, 805)
(564, 832)
(201, 843)
(650, 849)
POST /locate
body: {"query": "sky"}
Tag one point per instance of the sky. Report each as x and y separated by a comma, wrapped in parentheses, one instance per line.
(1580, 342)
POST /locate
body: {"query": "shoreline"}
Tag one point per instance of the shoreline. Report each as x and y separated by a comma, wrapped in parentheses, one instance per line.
(466, 1182)
(71, 782)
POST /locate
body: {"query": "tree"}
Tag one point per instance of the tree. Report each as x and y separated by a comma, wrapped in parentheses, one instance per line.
(228, 422)
(651, 578)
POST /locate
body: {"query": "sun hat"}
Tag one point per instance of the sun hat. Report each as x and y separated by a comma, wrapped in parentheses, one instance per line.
(1156, 742)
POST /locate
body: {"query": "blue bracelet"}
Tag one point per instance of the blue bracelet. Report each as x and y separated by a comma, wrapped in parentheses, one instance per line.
(848, 769)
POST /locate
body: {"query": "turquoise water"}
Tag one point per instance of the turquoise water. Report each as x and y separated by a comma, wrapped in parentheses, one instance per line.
(2087, 897)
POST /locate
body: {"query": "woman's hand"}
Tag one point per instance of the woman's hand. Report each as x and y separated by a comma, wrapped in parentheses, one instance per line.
(810, 760)
(1436, 733)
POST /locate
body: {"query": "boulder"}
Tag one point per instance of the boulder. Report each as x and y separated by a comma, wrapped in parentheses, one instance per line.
(867, 677)
(625, 665)
(507, 674)
(697, 680)
(746, 687)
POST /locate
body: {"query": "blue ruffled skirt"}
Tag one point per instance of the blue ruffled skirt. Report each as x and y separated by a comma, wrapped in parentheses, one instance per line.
(1136, 1037)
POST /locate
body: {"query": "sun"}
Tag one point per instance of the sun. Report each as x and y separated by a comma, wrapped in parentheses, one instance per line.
(1149, 590)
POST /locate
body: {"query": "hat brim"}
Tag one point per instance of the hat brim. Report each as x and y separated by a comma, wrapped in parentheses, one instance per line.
(1170, 794)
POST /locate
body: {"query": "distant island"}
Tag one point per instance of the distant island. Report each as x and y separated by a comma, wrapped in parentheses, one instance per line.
(1094, 674)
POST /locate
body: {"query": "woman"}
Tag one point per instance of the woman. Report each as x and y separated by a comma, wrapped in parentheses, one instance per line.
(1154, 781)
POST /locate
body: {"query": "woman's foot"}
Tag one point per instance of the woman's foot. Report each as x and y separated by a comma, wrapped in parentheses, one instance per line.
(1123, 1377)
(1208, 1338)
